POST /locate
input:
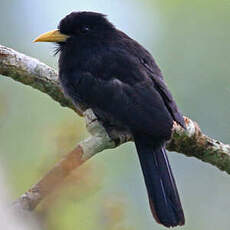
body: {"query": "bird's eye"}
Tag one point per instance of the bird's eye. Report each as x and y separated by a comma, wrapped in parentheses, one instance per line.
(85, 29)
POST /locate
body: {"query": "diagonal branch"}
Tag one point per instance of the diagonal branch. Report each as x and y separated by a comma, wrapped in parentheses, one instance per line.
(29, 71)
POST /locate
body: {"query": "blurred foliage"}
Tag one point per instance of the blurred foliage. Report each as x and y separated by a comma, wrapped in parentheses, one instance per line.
(190, 42)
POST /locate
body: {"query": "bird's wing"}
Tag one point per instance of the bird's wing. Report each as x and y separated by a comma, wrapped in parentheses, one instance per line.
(155, 74)
(157, 78)
(126, 91)
(147, 62)
(140, 106)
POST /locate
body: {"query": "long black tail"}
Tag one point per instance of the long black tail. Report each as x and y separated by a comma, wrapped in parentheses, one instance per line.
(163, 195)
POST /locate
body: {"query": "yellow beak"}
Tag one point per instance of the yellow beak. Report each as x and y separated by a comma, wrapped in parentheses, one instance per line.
(52, 36)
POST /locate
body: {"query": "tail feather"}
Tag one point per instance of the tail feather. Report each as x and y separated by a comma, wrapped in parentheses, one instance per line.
(161, 187)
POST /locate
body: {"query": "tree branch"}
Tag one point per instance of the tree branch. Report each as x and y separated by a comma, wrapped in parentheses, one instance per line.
(29, 71)
(32, 72)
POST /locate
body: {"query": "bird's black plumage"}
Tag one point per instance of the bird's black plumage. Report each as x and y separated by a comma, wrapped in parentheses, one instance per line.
(104, 69)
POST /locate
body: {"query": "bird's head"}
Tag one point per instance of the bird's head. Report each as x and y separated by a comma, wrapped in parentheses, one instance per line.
(78, 26)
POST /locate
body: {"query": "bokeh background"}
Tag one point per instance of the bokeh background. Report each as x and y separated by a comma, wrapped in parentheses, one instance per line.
(190, 41)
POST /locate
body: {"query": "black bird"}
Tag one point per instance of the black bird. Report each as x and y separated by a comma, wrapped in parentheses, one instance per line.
(107, 71)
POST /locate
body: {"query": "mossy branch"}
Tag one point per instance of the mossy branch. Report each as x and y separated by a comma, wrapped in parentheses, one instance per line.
(30, 71)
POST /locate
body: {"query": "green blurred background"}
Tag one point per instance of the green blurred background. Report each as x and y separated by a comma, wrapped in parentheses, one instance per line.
(190, 40)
